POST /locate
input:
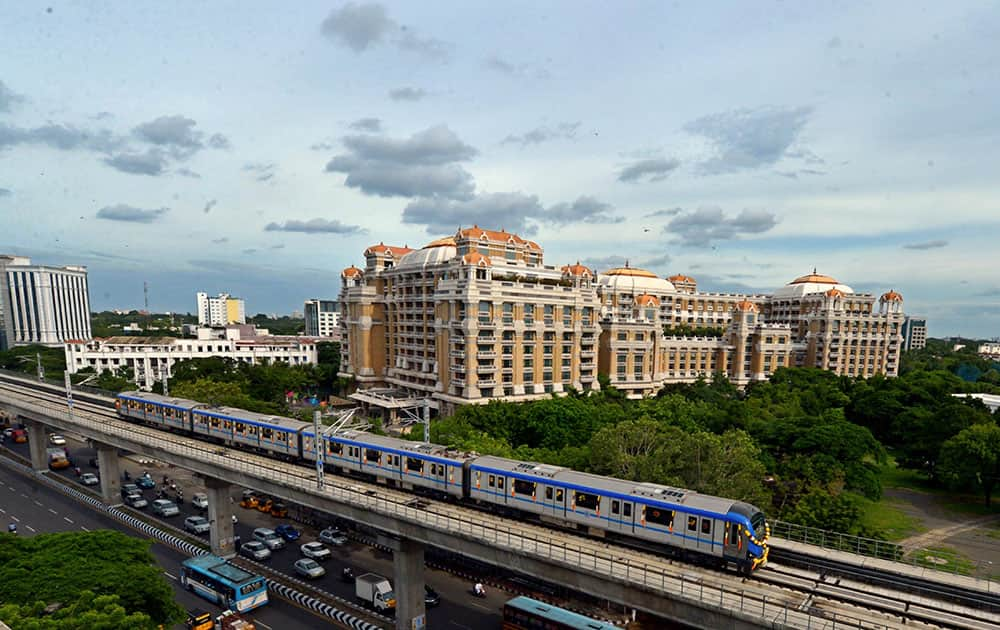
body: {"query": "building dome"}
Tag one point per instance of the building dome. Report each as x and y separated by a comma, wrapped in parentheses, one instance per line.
(647, 300)
(811, 283)
(576, 270)
(891, 296)
(635, 281)
(441, 242)
(746, 306)
(350, 272)
(436, 252)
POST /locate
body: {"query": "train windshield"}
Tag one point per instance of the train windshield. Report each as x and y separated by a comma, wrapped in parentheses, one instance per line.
(757, 522)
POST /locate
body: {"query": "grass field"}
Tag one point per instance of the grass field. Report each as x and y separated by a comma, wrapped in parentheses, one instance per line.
(886, 517)
(943, 559)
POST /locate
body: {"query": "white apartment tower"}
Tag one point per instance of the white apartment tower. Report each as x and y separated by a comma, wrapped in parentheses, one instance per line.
(40, 304)
(322, 318)
(220, 310)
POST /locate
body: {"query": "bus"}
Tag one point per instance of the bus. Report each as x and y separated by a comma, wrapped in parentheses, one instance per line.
(224, 583)
(525, 613)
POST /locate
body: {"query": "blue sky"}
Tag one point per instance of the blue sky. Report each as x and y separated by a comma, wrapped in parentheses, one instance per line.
(254, 149)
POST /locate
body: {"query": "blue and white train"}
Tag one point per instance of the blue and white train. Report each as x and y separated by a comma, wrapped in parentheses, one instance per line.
(682, 522)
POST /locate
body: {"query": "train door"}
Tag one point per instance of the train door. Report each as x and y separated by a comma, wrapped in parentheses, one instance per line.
(732, 544)
(554, 502)
(706, 534)
(621, 516)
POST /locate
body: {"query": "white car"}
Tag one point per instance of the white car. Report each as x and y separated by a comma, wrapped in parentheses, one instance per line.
(163, 507)
(197, 524)
(57, 440)
(89, 479)
(200, 500)
(333, 536)
(316, 551)
(309, 568)
(269, 538)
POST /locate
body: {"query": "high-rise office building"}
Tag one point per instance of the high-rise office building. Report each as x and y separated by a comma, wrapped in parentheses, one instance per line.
(322, 318)
(914, 333)
(220, 310)
(41, 304)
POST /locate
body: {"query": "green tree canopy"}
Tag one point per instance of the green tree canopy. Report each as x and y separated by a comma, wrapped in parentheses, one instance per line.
(88, 612)
(971, 459)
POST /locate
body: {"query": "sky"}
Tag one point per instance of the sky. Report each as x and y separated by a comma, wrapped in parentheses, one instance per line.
(258, 149)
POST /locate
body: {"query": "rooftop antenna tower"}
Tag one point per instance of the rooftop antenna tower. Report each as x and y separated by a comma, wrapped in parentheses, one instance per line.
(145, 295)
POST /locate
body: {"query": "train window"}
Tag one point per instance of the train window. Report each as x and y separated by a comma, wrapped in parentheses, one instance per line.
(692, 523)
(615, 507)
(548, 494)
(493, 480)
(524, 487)
(706, 526)
(660, 517)
(395, 460)
(372, 455)
(268, 434)
(240, 427)
(414, 464)
(589, 501)
(628, 510)
(227, 425)
(335, 448)
(734, 533)
(500, 481)
(559, 495)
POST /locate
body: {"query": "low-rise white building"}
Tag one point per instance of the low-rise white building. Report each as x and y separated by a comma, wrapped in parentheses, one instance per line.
(151, 358)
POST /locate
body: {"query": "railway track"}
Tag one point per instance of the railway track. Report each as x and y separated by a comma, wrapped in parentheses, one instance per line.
(849, 605)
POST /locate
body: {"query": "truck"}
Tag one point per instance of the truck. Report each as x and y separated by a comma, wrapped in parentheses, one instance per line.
(375, 591)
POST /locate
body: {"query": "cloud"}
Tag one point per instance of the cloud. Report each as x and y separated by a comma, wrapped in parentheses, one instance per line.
(152, 162)
(605, 263)
(524, 70)
(514, 211)
(543, 134)
(8, 98)
(61, 137)
(834, 42)
(261, 171)
(186, 172)
(171, 131)
(315, 226)
(208, 206)
(130, 214)
(652, 170)
(670, 212)
(702, 227)
(371, 125)
(219, 241)
(926, 245)
(219, 141)
(992, 292)
(407, 94)
(657, 262)
(422, 165)
(250, 250)
(361, 26)
(749, 138)
(278, 246)
(5, 192)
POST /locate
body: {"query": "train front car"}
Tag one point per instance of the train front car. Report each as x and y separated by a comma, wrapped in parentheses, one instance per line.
(751, 532)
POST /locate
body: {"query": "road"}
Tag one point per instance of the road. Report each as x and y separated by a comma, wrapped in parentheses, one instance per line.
(458, 609)
(37, 509)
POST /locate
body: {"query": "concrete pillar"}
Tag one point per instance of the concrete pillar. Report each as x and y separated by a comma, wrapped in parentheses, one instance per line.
(407, 582)
(109, 472)
(37, 443)
(220, 516)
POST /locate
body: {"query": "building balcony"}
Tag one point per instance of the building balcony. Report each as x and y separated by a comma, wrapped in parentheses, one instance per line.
(458, 354)
(458, 368)
(489, 382)
(487, 323)
(584, 354)
(486, 354)
(587, 378)
(486, 367)
(486, 339)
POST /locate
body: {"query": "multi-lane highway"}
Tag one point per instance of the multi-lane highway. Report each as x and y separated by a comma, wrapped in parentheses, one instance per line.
(458, 609)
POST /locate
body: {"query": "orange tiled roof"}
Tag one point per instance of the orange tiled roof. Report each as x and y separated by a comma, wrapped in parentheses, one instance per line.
(475, 258)
(892, 296)
(746, 306)
(382, 248)
(533, 245)
(502, 236)
(630, 271)
(577, 270)
(835, 293)
(681, 278)
(647, 300)
(350, 272)
(814, 277)
(441, 242)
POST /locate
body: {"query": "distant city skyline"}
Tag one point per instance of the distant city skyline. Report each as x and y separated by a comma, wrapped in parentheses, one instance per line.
(742, 144)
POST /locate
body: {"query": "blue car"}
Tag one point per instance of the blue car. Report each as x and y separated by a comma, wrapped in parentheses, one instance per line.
(145, 482)
(287, 532)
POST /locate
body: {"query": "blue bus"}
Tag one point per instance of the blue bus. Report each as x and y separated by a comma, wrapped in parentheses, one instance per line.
(525, 613)
(224, 583)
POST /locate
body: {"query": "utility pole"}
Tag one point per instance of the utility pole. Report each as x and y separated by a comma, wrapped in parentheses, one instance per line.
(166, 379)
(427, 420)
(69, 394)
(317, 437)
(38, 364)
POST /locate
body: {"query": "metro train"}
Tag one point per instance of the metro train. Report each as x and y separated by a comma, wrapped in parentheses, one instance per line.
(683, 523)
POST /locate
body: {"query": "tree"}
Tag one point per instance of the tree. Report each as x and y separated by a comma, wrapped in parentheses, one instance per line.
(88, 612)
(971, 459)
(222, 393)
(60, 567)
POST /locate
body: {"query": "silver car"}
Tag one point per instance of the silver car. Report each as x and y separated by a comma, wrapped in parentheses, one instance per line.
(197, 524)
(333, 536)
(316, 551)
(163, 507)
(309, 568)
(136, 500)
(89, 479)
(200, 500)
(269, 538)
(255, 550)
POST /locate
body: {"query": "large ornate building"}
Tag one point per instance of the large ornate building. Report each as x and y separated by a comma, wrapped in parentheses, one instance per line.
(479, 316)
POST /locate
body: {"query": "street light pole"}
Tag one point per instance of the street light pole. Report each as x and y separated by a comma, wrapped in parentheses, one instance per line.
(317, 437)
(38, 364)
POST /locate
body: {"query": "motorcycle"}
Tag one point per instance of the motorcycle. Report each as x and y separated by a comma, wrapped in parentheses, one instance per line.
(12, 528)
(479, 592)
(347, 575)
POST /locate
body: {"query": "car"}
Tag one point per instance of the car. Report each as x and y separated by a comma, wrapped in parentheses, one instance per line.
(57, 440)
(7, 432)
(235, 520)
(431, 597)
(255, 550)
(269, 538)
(130, 488)
(89, 479)
(316, 551)
(288, 532)
(197, 524)
(136, 500)
(309, 568)
(145, 482)
(333, 536)
(249, 499)
(165, 507)
(200, 500)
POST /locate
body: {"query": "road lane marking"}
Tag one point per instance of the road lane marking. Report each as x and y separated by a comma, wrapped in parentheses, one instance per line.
(38, 503)
(53, 511)
(84, 528)
(3, 511)
(261, 624)
(16, 520)
(481, 606)
(65, 518)
(31, 528)
(24, 495)
(460, 625)
(172, 577)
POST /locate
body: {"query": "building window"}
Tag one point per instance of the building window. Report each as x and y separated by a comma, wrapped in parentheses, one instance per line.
(623, 336)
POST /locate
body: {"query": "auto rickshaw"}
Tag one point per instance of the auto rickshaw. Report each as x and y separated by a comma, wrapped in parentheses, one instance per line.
(264, 504)
(199, 620)
(279, 510)
(249, 499)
